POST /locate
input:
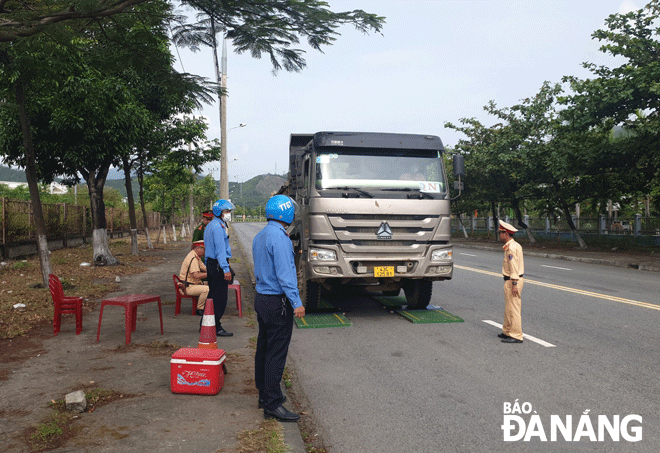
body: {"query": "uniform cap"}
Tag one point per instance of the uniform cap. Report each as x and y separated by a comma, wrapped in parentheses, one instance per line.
(198, 243)
(207, 215)
(507, 227)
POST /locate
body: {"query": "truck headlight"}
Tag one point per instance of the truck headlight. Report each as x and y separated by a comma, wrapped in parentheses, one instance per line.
(322, 255)
(441, 255)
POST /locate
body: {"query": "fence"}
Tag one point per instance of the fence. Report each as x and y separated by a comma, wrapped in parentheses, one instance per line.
(639, 229)
(65, 224)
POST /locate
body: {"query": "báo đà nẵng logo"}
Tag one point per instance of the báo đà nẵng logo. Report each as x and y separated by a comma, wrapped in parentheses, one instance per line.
(522, 422)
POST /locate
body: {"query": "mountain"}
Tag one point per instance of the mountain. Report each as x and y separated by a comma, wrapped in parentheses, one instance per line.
(11, 175)
(256, 191)
(252, 193)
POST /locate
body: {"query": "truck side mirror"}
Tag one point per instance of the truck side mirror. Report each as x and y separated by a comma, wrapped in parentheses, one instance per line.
(459, 165)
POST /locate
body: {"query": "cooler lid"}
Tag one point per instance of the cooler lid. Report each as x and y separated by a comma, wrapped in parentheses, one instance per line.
(197, 355)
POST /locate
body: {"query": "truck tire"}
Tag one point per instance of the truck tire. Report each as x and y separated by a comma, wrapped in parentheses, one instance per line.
(310, 292)
(418, 293)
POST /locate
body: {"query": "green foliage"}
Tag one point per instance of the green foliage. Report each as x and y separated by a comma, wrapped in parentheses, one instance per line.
(18, 265)
(48, 434)
(261, 27)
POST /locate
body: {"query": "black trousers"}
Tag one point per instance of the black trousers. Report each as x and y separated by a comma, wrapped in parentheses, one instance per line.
(218, 288)
(275, 317)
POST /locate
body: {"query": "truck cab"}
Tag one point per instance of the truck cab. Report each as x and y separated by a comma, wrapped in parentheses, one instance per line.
(374, 212)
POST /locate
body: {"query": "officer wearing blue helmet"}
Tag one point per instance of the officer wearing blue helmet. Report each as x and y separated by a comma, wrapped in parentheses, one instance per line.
(218, 252)
(276, 303)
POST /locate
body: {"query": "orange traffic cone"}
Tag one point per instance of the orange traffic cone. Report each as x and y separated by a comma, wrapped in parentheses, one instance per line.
(207, 338)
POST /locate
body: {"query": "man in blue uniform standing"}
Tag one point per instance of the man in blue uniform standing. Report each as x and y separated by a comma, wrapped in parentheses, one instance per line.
(276, 303)
(218, 252)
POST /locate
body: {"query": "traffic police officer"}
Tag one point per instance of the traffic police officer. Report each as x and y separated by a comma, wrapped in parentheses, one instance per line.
(198, 234)
(218, 252)
(276, 303)
(513, 268)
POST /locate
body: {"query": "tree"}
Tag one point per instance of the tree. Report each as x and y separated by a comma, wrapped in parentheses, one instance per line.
(258, 26)
(616, 96)
(19, 20)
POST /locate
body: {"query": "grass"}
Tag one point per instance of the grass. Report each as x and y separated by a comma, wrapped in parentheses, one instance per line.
(51, 433)
(57, 428)
(268, 438)
(251, 322)
(287, 378)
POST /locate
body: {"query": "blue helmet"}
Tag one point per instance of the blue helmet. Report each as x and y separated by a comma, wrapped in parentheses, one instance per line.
(281, 207)
(222, 205)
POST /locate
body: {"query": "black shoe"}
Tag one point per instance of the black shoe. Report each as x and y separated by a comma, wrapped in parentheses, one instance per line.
(223, 333)
(503, 335)
(260, 404)
(281, 414)
(511, 340)
(199, 312)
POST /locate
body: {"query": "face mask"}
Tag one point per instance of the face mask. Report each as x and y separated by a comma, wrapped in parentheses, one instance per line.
(225, 217)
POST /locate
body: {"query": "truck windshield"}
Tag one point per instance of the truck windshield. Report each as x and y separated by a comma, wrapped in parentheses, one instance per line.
(403, 170)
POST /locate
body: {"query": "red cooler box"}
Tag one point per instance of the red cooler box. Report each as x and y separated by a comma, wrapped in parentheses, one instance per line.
(197, 371)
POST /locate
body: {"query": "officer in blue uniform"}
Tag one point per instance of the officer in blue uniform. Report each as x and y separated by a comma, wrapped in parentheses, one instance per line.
(277, 301)
(218, 252)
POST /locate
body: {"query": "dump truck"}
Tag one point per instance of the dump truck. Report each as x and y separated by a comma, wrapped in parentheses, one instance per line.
(373, 210)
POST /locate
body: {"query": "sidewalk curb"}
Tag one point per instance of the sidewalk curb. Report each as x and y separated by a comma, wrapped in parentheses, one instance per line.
(600, 261)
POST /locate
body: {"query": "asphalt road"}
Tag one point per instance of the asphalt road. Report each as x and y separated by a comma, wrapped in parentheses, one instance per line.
(590, 358)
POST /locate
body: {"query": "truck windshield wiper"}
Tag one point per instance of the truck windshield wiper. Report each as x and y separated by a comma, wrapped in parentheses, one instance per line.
(419, 193)
(363, 192)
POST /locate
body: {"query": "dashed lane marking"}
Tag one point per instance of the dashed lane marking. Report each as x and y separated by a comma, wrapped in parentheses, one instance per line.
(525, 336)
(556, 267)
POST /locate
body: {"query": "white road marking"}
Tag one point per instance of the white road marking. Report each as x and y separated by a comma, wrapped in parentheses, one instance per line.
(555, 267)
(525, 336)
(466, 254)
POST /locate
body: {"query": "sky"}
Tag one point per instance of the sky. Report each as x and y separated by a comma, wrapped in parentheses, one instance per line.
(435, 61)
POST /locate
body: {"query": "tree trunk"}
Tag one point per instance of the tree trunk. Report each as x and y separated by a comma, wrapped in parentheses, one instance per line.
(131, 204)
(460, 221)
(95, 183)
(569, 220)
(102, 255)
(495, 220)
(142, 206)
(191, 216)
(33, 183)
(519, 218)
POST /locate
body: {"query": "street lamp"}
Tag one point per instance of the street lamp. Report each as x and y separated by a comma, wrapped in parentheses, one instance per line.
(235, 127)
(224, 181)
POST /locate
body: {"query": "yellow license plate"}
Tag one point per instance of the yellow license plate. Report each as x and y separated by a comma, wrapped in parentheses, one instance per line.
(384, 271)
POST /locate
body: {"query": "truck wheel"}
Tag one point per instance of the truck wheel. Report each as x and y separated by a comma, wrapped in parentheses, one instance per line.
(310, 292)
(418, 293)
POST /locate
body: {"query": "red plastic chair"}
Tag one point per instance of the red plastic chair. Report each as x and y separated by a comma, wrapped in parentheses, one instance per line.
(64, 304)
(178, 290)
(236, 286)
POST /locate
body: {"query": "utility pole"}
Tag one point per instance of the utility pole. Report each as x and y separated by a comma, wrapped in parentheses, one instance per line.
(190, 195)
(224, 182)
